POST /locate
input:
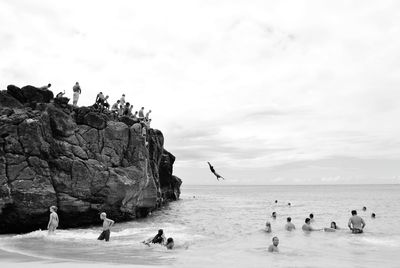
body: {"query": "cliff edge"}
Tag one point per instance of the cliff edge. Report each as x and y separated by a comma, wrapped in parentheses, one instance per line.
(78, 159)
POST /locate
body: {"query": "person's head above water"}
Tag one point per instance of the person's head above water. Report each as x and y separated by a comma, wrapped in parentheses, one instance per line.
(274, 214)
(364, 208)
(307, 220)
(275, 241)
(170, 243)
(311, 216)
(289, 204)
(103, 215)
(373, 215)
(53, 209)
(354, 212)
(333, 225)
(276, 201)
(288, 219)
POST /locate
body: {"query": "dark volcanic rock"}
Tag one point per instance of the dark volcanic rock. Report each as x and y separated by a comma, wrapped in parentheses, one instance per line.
(16, 92)
(6, 100)
(80, 160)
(34, 94)
(96, 120)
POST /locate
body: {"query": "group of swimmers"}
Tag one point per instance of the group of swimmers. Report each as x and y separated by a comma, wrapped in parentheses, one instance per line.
(356, 225)
(159, 238)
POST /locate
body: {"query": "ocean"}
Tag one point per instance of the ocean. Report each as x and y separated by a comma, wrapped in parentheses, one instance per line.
(223, 226)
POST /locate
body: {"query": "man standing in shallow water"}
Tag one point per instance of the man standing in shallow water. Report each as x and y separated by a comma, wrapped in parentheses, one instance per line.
(53, 221)
(356, 223)
(289, 225)
(107, 224)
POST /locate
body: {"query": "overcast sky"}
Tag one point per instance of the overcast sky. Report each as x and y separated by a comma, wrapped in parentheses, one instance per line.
(270, 92)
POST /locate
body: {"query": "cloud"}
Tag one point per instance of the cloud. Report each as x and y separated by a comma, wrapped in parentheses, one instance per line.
(255, 85)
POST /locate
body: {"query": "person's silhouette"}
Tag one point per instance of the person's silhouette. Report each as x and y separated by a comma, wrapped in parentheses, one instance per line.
(214, 172)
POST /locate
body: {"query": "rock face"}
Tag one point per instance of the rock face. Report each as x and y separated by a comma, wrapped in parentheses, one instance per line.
(82, 161)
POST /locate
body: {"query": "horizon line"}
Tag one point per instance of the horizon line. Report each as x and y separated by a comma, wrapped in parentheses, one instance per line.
(342, 184)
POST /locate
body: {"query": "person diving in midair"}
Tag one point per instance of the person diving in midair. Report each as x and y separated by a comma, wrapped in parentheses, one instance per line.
(214, 172)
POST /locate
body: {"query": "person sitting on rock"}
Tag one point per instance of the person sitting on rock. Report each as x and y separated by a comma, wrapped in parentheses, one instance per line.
(148, 114)
(147, 123)
(46, 87)
(126, 109)
(60, 95)
(130, 110)
(134, 116)
(121, 110)
(106, 104)
(115, 108)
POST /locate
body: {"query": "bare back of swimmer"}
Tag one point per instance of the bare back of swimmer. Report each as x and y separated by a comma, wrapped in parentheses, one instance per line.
(356, 223)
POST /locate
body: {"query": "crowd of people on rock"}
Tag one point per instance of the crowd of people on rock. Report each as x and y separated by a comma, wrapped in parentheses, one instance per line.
(159, 238)
(119, 108)
(356, 225)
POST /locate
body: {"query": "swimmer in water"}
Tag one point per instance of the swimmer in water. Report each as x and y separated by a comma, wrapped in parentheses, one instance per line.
(311, 216)
(53, 221)
(364, 208)
(268, 228)
(356, 223)
(307, 226)
(289, 204)
(159, 238)
(107, 224)
(373, 215)
(274, 246)
(274, 215)
(333, 227)
(289, 225)
(170, 243)
(276, 201)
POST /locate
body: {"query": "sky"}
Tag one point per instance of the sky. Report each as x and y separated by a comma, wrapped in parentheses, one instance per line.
(270, 92)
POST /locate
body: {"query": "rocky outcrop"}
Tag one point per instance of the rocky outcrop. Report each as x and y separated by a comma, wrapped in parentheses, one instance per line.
(78, 159)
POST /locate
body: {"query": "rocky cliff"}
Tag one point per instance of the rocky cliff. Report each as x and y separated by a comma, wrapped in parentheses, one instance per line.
(78, 159)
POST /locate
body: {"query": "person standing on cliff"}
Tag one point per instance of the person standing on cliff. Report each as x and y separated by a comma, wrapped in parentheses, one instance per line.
(77, 91)
(141, 113)
(53, 221)
(115, 108)
(107, 224)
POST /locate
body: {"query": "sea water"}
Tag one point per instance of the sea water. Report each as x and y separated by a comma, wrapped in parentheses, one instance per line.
(223, 226)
